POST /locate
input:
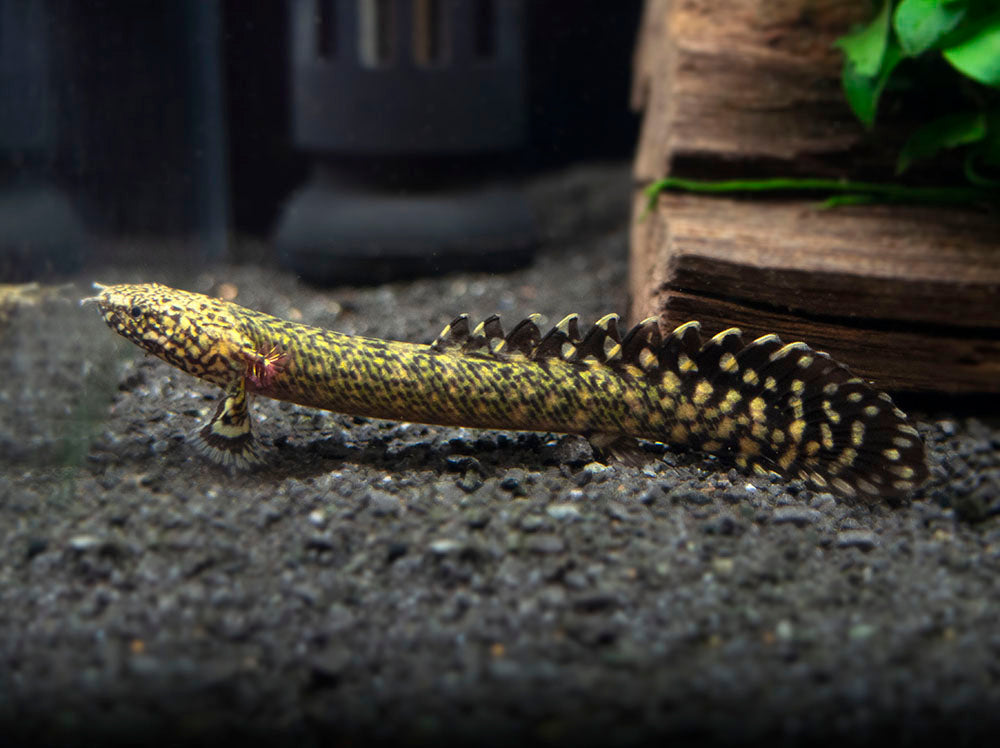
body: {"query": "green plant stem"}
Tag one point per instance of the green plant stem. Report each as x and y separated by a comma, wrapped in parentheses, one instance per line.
(858, 191)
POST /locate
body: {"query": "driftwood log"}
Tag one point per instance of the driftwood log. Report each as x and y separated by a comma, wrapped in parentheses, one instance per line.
(908, 296)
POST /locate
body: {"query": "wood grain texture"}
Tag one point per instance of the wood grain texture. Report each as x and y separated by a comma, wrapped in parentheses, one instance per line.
(910, 297)
(878, 262)
(895, 359)
(740, 80)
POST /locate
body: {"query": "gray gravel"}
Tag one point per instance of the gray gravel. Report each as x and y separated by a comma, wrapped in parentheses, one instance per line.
(386, 581)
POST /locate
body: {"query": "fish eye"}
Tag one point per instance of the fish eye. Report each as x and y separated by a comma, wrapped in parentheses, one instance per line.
(136, 312)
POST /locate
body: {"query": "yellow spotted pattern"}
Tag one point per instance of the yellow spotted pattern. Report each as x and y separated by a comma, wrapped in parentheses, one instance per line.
(767, 405)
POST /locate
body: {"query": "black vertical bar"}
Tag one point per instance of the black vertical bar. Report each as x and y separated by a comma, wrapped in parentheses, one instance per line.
(485, 29)
(326, 29)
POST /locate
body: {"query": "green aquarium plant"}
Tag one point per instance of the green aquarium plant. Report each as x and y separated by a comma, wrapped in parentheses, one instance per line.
(943, 51)
(943, 56)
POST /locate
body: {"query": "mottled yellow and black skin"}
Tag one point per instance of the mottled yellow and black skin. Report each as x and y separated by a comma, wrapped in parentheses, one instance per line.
(772, 407)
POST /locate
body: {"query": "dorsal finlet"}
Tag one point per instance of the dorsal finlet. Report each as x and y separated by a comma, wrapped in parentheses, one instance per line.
(493, 327)
(680, 348)
(717, 359)
(682, 330)
(570, 327)
(784, 351)
(525, 336)
(721, 337)
(612, 349)
(487, 337)
(640, 346)
(769, 338)
(609, 323)
(493, 332)
(603, 338)
(559, 342)
(685, 338)
(454, 335)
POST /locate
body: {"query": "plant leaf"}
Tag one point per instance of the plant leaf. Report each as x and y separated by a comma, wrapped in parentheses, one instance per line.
(863, 92)
(921, 24)
(945, 132)
(865, 47)
(978, 54)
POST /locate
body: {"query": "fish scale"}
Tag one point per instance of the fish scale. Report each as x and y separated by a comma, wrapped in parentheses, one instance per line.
(768, 406)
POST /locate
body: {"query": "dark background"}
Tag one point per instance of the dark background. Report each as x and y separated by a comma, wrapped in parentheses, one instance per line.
(124, 74)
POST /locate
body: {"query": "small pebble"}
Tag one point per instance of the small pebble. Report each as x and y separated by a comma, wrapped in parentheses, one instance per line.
(563, 511)
(736, 496)
(689, 496)
(572, 451)
(478, 520)
(470, 482)
(823, 500)
(722, 565)
(329, 666)
(861, 631)
(576, 580)
(532, 523)
(445, 546)
(545, 544)
(513, 484)
(83, 543)
(384, 504)
(799, 516)
(724, 524)
(617, 511)
(863, 539)
(650, 496)
(461, 462)
(784, 630)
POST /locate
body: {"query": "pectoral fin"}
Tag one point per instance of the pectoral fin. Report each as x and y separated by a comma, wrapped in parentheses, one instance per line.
(228, 438)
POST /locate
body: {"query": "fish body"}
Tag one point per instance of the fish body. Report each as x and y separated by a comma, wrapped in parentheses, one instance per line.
(771, 407)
